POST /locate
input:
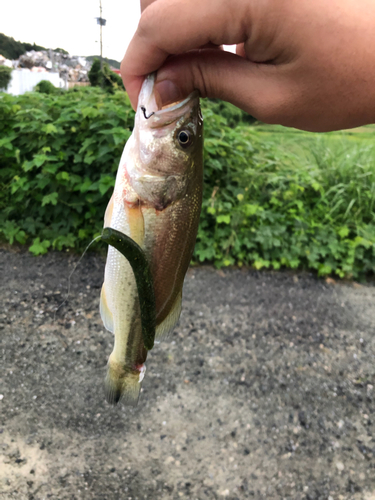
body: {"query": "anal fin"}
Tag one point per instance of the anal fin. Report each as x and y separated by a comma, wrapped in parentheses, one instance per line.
(167, 325)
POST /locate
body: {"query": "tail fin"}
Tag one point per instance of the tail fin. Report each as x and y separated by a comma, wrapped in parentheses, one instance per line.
(122, 384)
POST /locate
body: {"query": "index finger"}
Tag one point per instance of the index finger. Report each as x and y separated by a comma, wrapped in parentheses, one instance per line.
(171, 27)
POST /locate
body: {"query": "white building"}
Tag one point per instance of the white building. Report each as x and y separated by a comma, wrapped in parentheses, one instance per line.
(24, 80)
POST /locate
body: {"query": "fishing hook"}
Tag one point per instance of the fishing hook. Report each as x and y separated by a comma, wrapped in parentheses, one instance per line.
(144, 113)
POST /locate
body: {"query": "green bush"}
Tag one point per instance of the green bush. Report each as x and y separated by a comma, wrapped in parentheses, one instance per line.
(303, 202)
(46, 87)
(5, 77)
(104, 77)
(271, 199)
(58, 158)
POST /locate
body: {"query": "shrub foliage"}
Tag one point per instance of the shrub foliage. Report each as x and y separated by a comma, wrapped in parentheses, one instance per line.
(104, 77)
(271, 199)
(5, 77)
(58, 158)
(46, 87)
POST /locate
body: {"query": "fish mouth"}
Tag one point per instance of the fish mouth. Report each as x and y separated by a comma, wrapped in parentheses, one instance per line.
(150, 108)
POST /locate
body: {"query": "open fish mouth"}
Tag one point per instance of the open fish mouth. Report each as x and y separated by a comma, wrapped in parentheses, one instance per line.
(151, 109)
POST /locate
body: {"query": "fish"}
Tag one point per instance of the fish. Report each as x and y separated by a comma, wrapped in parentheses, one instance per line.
(156, 202)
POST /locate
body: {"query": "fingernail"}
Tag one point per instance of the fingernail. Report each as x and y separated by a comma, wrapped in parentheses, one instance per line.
(168, 91)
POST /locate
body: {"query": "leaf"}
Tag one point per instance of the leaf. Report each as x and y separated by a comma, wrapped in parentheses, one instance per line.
(343, 232)
(223, 219)
(10, 230)
(51, 168)
(38, 160)
(39, 247)
(89, 158)
(105, 184)
(63, 176)
(324, 269)
(49, 129)
(50, 198)
(62, 241)
(6, 142)
(89, 112)
(258, 264)
(86, 185)
(250, 209)
(21, 237)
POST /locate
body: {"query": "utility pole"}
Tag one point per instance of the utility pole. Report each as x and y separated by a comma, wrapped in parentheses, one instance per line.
(101, 23)
(101, 36)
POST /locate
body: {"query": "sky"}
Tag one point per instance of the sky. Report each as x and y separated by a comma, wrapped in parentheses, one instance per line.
(71, 24)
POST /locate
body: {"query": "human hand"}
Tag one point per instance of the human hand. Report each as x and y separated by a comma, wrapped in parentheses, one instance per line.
(309, 65)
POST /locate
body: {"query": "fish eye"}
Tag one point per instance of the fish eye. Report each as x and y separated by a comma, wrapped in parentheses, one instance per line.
(185, 138)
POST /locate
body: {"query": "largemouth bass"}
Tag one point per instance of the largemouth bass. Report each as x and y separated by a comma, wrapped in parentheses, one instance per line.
(157, 202)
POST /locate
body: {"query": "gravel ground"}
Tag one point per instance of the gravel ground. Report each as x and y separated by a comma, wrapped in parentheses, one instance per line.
(264, 391)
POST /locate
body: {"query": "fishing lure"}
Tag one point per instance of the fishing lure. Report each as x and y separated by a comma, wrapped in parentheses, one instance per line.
(143, 277)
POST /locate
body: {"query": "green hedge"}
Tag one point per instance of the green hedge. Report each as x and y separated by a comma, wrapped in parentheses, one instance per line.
(58, 157)
(271, 199)
(288, 200)
(5, 77)
(47, 87)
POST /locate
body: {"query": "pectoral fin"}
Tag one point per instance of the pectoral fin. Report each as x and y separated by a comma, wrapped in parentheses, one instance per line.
(105, 313)
(167, 325)
(108, 212)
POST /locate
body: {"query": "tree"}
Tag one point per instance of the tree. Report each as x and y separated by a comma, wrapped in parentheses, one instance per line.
(112, 62)
(95, 74)
(61, 51)
(11, 49)
(104, 78)
(5, 77)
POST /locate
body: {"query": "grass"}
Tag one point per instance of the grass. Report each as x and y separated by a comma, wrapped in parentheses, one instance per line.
(342, 162)
(305, 200)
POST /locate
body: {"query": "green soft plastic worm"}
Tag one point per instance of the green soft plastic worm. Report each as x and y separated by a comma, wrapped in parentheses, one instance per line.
(143, 277)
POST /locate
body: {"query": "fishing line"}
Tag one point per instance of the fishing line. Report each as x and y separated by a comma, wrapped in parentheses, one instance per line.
(71, 274)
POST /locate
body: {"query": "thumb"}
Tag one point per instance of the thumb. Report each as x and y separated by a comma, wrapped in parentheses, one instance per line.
(256, 88)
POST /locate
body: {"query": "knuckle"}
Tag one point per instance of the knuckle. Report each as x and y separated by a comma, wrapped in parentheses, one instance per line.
(199, 80)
